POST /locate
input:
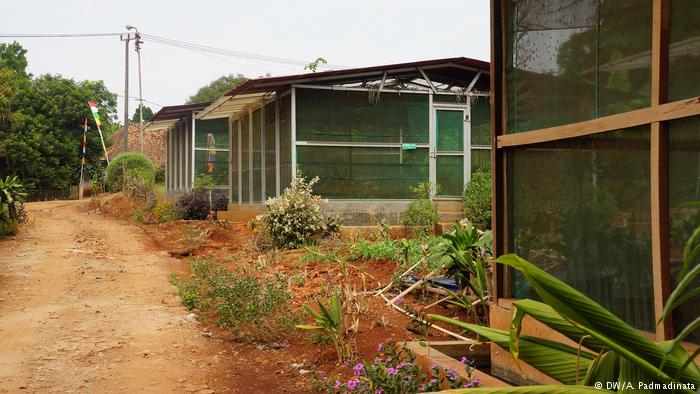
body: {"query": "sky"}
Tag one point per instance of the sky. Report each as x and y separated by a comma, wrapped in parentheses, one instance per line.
(345, 33)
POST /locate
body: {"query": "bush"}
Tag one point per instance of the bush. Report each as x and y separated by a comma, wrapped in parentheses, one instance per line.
(12, 197)
(477, 200)
(165, 211)
(257, 308)
(136, 164)
(294, 218)
(221, 204)
(422, 212)
(160, 175)
(193, 205)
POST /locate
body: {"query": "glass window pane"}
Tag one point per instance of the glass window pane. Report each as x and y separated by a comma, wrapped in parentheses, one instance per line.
(348, 116)
(211, 133)
(577, 60)
(355, 173)
(449, 128)
(580, 210)
(481, 160)
(684, 51)
(233, 179)
(285, 108)
(450, 175)
(257, 155)
(245, 159)
(213, 163)
(684, 187)
(481, 121)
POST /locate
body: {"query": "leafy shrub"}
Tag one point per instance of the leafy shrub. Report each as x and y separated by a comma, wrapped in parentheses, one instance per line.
(221, 204)
(395, 371)
(193, 205)
(330, 320)
(258, 308)
(160, 175)
(294, 218)
(422, 212)
(477, 200)
(135, 164)
(166, 210)
(12, 197)
(203, 181)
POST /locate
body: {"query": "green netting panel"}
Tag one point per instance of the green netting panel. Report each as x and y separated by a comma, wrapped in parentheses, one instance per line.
(233, 179)
(450, 175)
(450, 130)
(211, 133)
(270, 168)
(347, 116)
(580, 210)
(480, 121)
(684, 78)
(245, 159)
(684, 187)
(364, 173)
(574, 61)
(481, 160)
(446, 98)
(213, 163)
(285, 108)
(257, 155)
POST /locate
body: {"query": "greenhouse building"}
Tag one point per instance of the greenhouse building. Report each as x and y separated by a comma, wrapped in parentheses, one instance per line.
(369, 135)
(597, 151)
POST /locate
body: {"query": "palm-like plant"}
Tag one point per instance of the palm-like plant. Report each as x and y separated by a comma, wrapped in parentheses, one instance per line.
(330, 320)
(12, 194)
(609, 349)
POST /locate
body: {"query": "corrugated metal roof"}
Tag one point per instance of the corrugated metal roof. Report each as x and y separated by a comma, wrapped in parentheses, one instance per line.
(172, 112)
(227, 105)
(448, 70)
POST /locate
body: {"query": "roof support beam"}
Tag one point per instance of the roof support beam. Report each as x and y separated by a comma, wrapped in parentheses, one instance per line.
(381, 85)
(425, 76)
(473, 82)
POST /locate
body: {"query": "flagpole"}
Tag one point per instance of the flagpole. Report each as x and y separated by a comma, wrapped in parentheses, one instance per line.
(96, 116)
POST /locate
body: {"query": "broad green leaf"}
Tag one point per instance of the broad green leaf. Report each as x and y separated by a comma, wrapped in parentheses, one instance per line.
(631, 375)
(677, 293)
(552, 358)
(515, 326)
(545, 314)
(600, 323)
(531, 390)
(605, 368)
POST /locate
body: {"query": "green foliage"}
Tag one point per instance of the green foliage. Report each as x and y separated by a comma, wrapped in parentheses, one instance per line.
(135, 164)
(193, 205)
(147, 114)
(203, 181)
(464, 254)
(477, 199)
(217, 88)
(330, 320)
(618, 352)
(254, 308)
(422, 212)
(313, 66)
(41, 121)
(12, 197)
(294, 219)
(394, 371)
(165, 211)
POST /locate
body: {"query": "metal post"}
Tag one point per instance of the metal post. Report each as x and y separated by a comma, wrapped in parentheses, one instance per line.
(138, 55)
(126, 38)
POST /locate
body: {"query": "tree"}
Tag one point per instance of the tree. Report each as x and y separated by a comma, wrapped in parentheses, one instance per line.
(147, 114)
(217, 88)
(313, 66)
(41, 121)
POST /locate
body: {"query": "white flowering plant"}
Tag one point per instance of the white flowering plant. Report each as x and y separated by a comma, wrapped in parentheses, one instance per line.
(294, 219)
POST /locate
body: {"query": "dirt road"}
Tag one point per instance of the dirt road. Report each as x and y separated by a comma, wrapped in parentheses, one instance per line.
(86, 306)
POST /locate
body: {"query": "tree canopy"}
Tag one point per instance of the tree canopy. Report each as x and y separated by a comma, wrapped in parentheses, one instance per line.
(147, 114)
(216, 88)
(41, 122)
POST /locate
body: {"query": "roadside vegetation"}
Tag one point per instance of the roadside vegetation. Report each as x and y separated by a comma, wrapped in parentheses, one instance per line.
(12, 213)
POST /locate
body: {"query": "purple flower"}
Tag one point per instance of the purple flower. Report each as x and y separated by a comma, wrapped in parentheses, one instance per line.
(379, 391)
(379, 347)
(433, 380)
(352, 383)
(337, 384)
(403, 364)
(434, 366)
(452, 374)
(476, 380)
(399, 301)
(464, 360)
(392, 371)
(359, 369)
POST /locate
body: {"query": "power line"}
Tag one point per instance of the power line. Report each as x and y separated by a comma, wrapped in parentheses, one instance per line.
(59, 35)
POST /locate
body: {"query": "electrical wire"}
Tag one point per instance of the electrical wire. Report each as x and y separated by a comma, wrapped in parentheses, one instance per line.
(59, 35)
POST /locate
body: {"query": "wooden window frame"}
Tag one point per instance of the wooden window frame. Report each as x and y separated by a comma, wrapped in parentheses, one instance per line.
(655, 116)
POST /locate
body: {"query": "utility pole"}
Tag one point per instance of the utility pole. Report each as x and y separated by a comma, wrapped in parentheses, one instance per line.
(138, 53)
(126, 38)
